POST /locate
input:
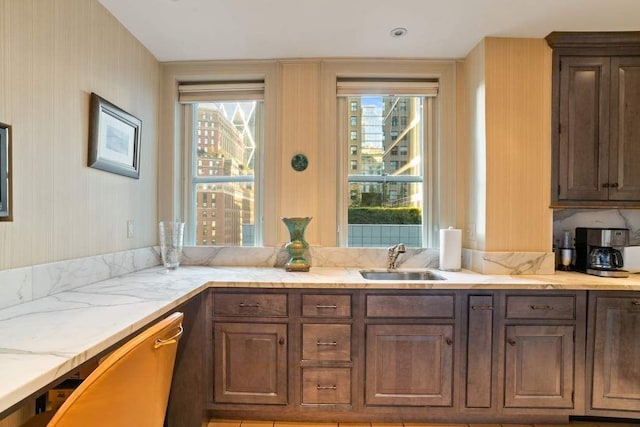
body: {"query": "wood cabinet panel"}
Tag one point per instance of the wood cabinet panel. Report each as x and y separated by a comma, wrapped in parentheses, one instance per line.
(616, 354)
(250, 304)
(417, 306)
(624, 177)
(583, 128)
(326, 342)
(479, 374)
(326, 386)
(539, 363)
(409, 365)
(326, 305)
(250, 363)
(541, 307)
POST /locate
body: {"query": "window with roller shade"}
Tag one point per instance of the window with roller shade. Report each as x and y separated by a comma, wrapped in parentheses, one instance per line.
(225, 121)
(386, 146)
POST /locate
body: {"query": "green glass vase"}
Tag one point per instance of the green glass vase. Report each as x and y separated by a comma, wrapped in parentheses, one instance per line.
(297, 246)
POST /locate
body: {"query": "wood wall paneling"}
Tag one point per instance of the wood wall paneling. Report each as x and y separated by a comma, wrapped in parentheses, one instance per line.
(299, 109)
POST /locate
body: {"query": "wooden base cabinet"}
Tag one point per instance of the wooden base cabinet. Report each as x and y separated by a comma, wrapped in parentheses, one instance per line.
(422, 355)
(539, 362)
(250, 363)
(409, 365)
(615, 346)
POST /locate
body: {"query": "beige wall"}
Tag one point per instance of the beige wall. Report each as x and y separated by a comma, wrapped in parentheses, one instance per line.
(53, 54)
(505, 139)
(302, 114)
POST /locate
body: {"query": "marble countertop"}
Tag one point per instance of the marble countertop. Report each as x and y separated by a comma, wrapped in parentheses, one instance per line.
(46, 338)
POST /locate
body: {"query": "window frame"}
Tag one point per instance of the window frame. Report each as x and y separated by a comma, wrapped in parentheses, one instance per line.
(429, 171)
(192, 179)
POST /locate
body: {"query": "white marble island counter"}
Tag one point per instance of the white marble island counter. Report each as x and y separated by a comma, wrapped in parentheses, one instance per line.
(44, 339)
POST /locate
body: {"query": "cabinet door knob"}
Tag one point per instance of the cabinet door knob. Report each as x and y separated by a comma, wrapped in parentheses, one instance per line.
(511, 341)
(281, 341)
(614, 185)
(605, 185)
(449, 341)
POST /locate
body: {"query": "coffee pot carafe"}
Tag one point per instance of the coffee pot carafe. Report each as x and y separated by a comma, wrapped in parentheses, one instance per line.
(605, 258)
(598, 251)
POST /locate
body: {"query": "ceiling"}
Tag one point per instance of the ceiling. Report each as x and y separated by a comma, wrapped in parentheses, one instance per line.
(177, 30)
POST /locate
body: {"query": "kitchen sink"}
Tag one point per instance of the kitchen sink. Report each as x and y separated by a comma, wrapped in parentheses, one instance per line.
(400, 275)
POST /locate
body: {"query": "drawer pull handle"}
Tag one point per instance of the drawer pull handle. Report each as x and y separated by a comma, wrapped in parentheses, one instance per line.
(326, 387)
(243, 305)
(281, 341)
(330, 307)
(449, 341)
(481, 307)
(511, 341)
(541, 307)
(635, 302)
(331, 343)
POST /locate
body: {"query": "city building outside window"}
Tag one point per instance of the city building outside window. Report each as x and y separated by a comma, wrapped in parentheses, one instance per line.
(385, 198)
(225, 175)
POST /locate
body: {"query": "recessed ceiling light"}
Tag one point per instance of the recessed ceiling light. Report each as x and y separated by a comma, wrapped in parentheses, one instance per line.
(398, 32)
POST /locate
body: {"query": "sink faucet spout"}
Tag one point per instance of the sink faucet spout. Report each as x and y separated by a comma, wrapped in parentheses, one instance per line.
(392, 255)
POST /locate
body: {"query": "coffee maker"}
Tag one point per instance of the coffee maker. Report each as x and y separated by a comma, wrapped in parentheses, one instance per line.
(598, 251)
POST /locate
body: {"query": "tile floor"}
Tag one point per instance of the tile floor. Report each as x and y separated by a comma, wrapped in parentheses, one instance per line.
(246, 423)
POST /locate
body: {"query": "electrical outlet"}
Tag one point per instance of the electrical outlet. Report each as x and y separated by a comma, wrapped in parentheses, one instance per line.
(470, 232)
(130, 229)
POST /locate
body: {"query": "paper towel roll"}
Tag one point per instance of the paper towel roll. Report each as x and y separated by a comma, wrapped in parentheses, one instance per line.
(450, 249)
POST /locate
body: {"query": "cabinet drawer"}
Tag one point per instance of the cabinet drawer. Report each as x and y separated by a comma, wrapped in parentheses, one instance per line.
(326, 386)
(541, 307)
(240, 304)
(326, 342)
(326, 305)
(441, 306)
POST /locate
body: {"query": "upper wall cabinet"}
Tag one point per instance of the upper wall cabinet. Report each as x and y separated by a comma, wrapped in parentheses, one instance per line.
(595, 119)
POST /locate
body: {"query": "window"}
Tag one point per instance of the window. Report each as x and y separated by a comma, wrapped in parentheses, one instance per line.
(228, 180)
(354, 121)
(354, 135)
(354, 106)
(393, 189)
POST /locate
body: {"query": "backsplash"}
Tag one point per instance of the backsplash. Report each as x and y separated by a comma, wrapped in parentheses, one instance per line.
(25, 284)
(569, 219)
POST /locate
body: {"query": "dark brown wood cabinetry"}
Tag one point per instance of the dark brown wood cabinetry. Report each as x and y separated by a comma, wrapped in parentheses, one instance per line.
(595, 119)
(614, 350)
(544, 342)
(423, 355)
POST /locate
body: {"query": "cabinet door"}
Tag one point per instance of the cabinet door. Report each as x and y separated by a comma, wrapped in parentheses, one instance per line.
(539, 366)
(250, 363)
(479, 352)
(616, 356)
(409, 365)
(584, 128)
(624, 173)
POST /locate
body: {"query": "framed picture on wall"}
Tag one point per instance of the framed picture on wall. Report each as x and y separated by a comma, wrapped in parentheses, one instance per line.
(114, 138)
(5, 172)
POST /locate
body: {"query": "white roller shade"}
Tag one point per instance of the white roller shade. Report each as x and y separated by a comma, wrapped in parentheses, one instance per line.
(222, 91)
(359, 87)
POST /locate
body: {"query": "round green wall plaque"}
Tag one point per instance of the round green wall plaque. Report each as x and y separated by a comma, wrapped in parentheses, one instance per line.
(299, 162)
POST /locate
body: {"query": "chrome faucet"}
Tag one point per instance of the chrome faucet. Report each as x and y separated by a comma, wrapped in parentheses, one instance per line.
(392, 255)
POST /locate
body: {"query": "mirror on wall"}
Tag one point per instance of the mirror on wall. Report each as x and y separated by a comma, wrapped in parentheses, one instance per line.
(5, 172)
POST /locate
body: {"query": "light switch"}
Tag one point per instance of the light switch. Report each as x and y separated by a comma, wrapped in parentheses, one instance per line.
(130, 229)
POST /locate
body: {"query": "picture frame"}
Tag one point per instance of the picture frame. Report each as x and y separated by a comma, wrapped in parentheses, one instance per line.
(5, 173)
(114, 138)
